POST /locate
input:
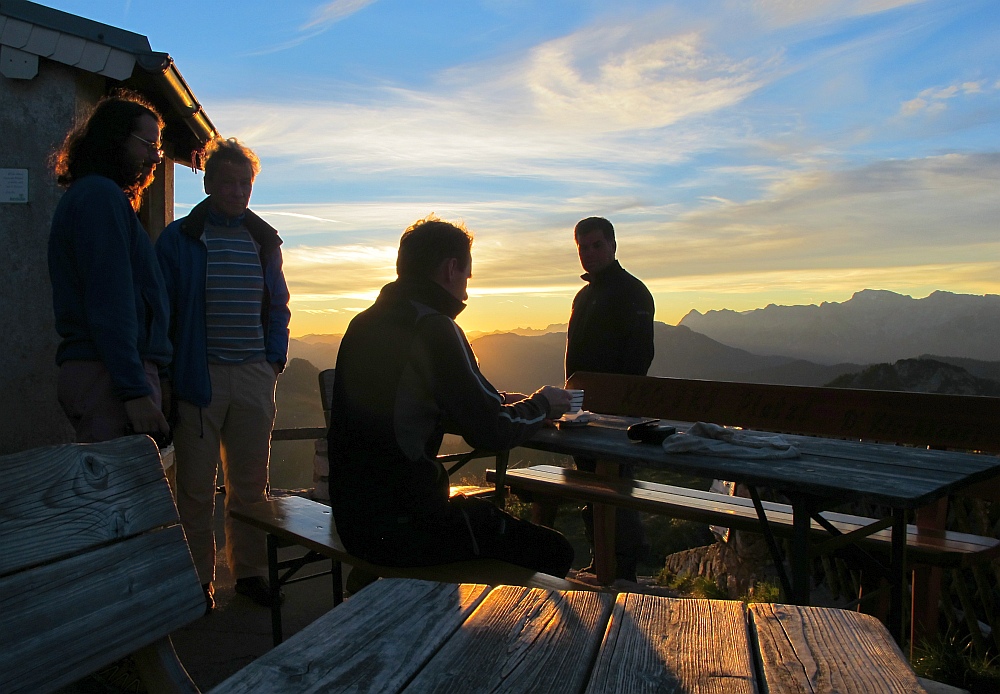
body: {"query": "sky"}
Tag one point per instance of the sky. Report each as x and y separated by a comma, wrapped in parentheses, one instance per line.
(748, 152)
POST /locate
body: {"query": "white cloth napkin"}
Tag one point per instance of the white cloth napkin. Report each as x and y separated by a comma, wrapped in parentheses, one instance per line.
(713, 439)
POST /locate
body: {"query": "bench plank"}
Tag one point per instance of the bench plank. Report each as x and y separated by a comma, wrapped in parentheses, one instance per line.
(923, 546)
(810, 649)
(61, 621)
(95, 565)
(60, 500)
(675, 646)
(521, 640)
(376, 647)
(310, 524)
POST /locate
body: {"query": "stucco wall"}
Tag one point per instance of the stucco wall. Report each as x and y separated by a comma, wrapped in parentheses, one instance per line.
(34, 117)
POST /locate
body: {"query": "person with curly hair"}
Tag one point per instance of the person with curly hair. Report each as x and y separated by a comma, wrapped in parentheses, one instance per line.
(108, 294)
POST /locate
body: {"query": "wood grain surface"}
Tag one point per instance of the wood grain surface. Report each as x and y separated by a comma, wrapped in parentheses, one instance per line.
(521, 640)
(896, 476)
(811, 649)
(61, 621)
(59, 500)
(375, 642)
(656, 644)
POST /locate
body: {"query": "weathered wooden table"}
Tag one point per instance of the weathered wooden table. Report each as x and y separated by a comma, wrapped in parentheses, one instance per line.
(420, 636)
(828, 473)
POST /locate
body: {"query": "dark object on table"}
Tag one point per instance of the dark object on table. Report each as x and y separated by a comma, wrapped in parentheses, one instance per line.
(651, 431)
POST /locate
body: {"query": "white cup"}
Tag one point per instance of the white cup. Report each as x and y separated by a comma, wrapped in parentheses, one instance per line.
(575, 400)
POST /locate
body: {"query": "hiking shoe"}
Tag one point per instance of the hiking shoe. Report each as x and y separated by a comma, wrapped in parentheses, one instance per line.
(209, 597)
(256, 589)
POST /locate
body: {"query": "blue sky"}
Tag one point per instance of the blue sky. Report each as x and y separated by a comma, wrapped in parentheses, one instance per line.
(748, 151)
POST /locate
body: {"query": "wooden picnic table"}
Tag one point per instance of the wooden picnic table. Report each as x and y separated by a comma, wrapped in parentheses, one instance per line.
(828, 473)
(422, 636)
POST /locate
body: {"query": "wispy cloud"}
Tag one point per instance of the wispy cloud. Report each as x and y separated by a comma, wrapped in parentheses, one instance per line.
(596, 95)
(322, 18)
(332, 12)
(934, 99)
(790, 12)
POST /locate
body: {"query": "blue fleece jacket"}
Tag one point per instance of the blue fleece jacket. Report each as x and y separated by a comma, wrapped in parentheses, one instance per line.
(183, 257)
(107, 291)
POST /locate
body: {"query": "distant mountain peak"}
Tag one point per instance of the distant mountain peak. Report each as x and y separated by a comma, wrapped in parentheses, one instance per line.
(918, 376)
(874, 325)
(879, 295)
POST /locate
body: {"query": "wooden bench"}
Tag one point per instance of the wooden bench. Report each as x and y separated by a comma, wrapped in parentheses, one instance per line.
(95, 566)
(918, 419)
(934, 547)
(295, 521)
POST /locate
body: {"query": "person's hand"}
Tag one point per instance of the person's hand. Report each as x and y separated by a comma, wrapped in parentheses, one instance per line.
(145, 417)
(511, 398)
(558, 400)
(277, 368)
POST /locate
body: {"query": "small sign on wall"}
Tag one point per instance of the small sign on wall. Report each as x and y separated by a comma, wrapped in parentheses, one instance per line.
(13, 185)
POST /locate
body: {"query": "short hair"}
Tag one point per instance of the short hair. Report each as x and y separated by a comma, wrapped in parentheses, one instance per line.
(427, 242)
(221, 150)
(585, 226)
(96, 145)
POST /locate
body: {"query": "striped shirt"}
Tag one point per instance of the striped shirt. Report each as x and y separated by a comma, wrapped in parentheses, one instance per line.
(234, 290)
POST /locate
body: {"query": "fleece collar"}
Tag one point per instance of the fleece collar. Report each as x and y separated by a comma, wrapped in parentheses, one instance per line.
(263, 233)
(425, 291)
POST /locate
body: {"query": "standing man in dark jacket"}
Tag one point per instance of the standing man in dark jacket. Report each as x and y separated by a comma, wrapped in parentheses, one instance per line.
(107, 292)
(404, 370)
(229, 325)
(610, 331)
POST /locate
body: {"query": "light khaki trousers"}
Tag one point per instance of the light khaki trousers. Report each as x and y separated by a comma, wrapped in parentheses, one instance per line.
(234, 431)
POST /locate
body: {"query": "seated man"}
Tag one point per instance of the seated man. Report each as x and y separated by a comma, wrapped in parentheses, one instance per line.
(405, 369)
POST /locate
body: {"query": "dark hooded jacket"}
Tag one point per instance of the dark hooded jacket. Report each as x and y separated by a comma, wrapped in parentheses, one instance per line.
(405, 373)
(611, 326)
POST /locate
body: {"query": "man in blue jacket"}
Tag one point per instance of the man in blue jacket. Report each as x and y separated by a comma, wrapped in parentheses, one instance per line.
(229, 326)
(107, 293)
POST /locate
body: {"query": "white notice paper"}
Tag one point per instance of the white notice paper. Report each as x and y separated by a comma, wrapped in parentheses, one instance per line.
(14, 185)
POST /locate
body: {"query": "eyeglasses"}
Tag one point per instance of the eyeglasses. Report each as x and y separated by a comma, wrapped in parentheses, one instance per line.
(151, 146)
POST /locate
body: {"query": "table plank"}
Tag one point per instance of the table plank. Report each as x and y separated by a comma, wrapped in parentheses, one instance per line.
(811, 649)
(881, 473)
(657, 644)
(375, 642)
(521, 640)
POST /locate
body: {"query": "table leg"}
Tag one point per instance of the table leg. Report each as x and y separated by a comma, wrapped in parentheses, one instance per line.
(272, 577)
(604, 530)
(897, 574)
(799, 559)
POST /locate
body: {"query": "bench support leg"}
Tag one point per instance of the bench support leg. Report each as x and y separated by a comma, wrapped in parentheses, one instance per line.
(337, 572)
(897, 574)
(772, 544)
(500, 495)
(275, 586)
(544, 510)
